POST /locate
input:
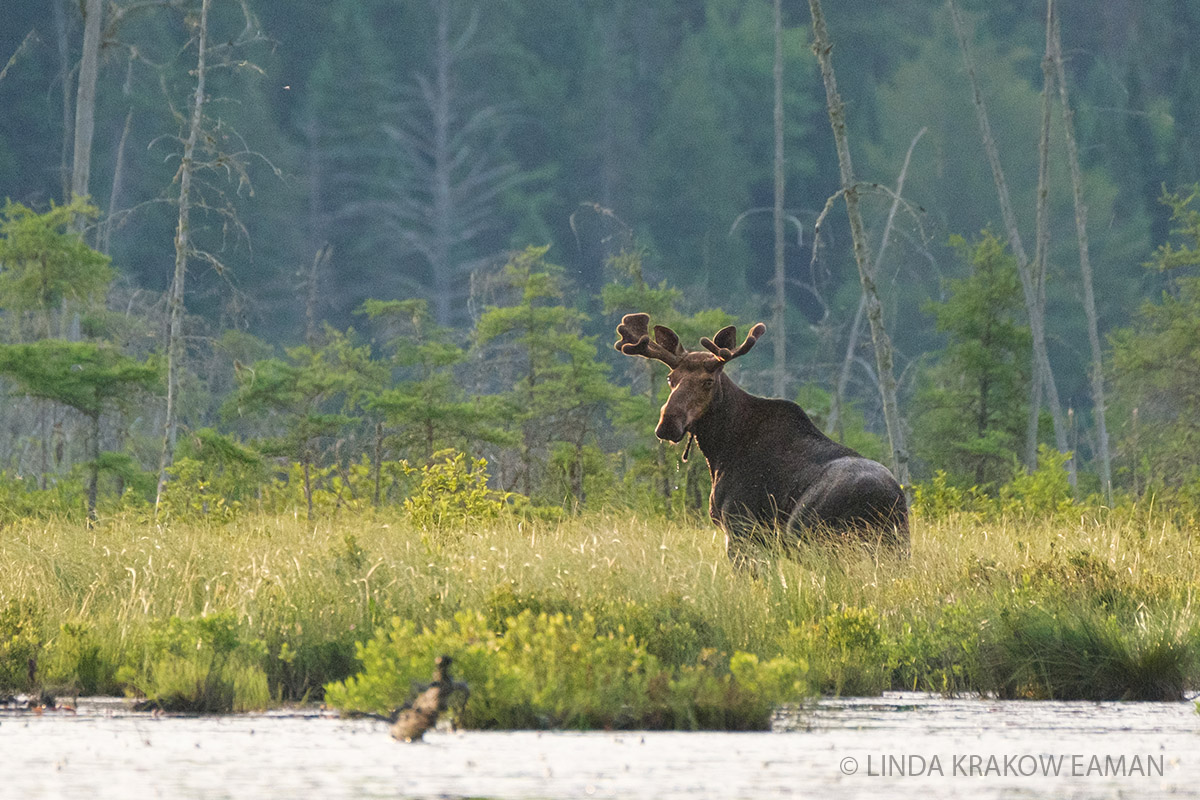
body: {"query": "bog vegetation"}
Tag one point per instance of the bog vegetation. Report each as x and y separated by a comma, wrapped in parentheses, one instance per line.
(433, 446)
(613, 618)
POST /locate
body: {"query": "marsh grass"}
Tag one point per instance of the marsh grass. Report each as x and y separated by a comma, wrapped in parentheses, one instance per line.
(1083, 602)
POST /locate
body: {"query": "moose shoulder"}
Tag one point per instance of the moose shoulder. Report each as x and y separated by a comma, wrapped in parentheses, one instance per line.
(770, 465)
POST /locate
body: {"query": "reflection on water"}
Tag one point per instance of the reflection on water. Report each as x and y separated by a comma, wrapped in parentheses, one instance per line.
(900, 745)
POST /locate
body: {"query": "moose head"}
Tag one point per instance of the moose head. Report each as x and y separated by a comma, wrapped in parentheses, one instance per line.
(695, 376)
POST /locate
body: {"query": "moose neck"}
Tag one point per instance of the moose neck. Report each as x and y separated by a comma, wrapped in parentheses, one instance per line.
(722, 426)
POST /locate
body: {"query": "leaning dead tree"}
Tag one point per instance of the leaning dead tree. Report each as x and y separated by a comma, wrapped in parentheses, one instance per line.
(780, 307)
(1043, 374)
(862, 249)
(834, 423)
(85, 103)
(182, 251)
(1085, 264)
(202, 141)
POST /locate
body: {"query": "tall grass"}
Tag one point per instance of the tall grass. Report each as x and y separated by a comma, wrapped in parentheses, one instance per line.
(1087, 602)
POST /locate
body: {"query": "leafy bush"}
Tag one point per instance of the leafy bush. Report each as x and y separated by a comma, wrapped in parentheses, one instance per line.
(557, 670)
(1044, 491)
(938, 499)
(938, 652)
(22, 499)
(453, 490)
(846, 651)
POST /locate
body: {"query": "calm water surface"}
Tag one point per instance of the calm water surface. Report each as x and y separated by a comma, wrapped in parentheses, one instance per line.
(898, 746)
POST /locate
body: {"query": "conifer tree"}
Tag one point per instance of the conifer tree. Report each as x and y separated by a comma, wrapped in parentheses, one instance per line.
(559, 388)
(971, 405)
(86, 376)
(1156, 364)
(427, 409)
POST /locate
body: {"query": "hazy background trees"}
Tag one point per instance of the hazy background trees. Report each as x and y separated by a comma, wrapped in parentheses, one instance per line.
(401, 151)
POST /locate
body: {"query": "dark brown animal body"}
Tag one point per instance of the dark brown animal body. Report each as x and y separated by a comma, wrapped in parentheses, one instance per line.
(770, 465)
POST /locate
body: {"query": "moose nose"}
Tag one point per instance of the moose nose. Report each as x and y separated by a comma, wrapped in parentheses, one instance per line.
(669, 429)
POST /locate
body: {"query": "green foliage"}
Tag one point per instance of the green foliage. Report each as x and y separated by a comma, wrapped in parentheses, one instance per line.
(308, 400)
(427, 410)
(1041, 493)
(938, 498)
(971, 407)
(938, 651)
(45, 265)
(560, 391)
(85, 376)
(20, 645)
(202, 664)
(452, 492)
(88, 377)
(844, 649)
(75, 663)
(1156, 365)
(21, 499)
(127, 473)
(557, 670)
(212, 475)
(1036, 653)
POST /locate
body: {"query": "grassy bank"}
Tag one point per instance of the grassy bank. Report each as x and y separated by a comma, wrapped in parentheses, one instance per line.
(601, 620)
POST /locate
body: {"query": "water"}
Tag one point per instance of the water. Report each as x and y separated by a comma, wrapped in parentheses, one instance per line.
(874, 747)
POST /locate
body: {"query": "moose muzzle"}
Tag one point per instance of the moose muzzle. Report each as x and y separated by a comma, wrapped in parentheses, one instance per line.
(672, 425)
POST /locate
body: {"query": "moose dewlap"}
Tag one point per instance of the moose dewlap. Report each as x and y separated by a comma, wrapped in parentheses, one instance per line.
(771, 467)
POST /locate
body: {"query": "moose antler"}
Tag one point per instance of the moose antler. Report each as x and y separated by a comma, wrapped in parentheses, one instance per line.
(635, 340)
(722, 345)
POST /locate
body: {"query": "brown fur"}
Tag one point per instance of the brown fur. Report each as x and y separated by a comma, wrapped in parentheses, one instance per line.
(770, 465)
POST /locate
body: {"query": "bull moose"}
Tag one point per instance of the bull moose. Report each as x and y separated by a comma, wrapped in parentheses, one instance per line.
(771, 466)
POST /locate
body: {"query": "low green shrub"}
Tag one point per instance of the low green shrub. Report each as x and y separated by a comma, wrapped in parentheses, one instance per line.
(557, 670)
(846, 651)
(453, 490)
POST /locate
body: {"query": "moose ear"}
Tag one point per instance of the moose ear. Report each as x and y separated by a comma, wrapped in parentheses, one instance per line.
(668, 339)
(726, 338)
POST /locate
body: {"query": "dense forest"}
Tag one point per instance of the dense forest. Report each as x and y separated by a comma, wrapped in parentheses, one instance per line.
(325, 240)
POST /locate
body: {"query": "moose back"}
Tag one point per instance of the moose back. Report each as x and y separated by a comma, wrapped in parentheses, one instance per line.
(770, 465)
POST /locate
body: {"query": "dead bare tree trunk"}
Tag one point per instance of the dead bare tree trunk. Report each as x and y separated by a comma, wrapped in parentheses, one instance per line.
(835, 408)
(1043, 374)
(312, 295)
(104, 244)
(182, 250)
(85, 102)
(443, 202)
(1085, 267)
(779, 316)
(1041, 233)
(862, 249)
(65, 76)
